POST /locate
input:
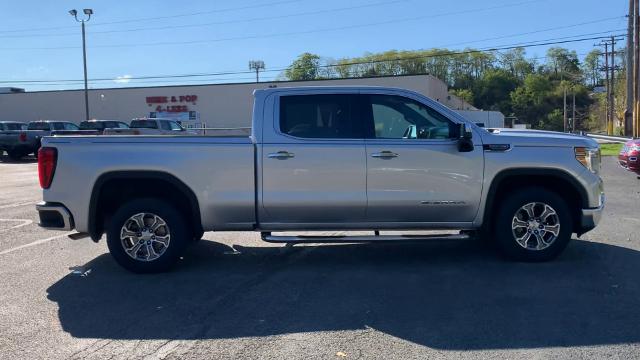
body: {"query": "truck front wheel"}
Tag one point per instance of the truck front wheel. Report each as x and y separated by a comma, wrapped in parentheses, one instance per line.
(533, 224)
(147, 235)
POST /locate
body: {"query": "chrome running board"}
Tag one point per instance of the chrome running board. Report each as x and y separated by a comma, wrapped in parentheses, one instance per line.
(266, 236)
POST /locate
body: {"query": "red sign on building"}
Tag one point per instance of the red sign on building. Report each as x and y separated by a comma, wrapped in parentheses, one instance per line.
(162, 102)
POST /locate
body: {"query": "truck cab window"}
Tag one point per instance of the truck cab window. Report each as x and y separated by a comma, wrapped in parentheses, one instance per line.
(319, 116)
(396, 117)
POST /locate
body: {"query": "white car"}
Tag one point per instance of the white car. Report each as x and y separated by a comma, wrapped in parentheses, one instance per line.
(151, 126)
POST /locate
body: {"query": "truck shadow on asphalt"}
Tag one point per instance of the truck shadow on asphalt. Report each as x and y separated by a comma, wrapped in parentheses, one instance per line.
(445, 295)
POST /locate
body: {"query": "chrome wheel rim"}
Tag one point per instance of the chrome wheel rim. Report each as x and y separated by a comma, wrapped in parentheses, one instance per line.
(535, 226)
(145, 236)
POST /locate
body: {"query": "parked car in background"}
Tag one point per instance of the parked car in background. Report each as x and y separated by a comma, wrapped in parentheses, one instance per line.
(12, 126)
(151, 126)
(9, 135)
(24, 142)
(629, 157)
(331, 159)
(93, 127)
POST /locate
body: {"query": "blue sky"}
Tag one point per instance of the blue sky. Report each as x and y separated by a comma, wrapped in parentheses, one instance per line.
(41, 41)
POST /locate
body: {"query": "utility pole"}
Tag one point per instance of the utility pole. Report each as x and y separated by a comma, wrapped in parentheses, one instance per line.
(609, 70)
(628, 112)
(636, 69)
(606, 72)
(613, 87)
(256, 65)
(564, 107)
(573, 114)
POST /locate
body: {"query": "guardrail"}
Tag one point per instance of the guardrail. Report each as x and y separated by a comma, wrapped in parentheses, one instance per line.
(620, 139)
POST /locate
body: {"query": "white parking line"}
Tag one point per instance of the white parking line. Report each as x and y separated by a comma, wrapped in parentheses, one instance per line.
(37, 242)
(25, 222)
(18, 204)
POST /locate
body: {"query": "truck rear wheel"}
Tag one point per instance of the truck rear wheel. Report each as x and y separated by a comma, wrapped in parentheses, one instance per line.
(147, 235)
(533, 225)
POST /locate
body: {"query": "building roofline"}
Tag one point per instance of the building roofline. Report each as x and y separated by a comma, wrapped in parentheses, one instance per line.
(218, 84)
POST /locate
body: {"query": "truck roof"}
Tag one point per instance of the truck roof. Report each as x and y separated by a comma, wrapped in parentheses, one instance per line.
(50, 121)
(329, 88)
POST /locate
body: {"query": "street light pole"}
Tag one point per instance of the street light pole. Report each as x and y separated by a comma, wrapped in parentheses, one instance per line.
(87, 12)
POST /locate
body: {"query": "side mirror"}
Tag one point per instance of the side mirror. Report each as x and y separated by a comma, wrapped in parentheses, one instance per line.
(465, 138)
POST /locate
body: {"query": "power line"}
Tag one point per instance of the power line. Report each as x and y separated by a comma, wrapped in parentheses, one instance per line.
(537, 31)
(245, 7)
(261, 36)
(442, 54)
(225, 22)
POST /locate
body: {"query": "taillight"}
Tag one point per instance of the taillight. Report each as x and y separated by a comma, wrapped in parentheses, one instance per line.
(47, 159)
(22, 137)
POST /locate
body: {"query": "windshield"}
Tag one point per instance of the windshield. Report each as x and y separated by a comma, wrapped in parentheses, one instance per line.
(144, 124)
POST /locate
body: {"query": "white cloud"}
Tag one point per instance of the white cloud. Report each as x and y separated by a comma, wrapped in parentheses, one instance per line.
(122, 79)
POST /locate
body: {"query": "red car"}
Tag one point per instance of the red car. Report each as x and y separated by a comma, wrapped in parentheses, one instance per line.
(629, 157)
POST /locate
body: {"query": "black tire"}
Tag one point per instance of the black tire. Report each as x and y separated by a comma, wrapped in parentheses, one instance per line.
(179, 235)
(197, 236)
(505, 238)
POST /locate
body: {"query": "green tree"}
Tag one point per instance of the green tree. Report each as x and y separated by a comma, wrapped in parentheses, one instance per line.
(563, 62)
(590, 68)
(530, 102)
(554, 121)
(492, 91)
(305, 67)
(464, 94)
(515, 62)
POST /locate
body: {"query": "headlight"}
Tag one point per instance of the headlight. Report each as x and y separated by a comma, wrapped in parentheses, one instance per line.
(589, 157)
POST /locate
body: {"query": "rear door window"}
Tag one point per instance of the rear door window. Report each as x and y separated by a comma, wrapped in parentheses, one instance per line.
(320, 117)
(144, 124)
(38, 126)
(57, 126)
(91, 125)
(70, 126)
(14, 126)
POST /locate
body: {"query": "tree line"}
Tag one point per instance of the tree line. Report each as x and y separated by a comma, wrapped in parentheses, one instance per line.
(532, 90)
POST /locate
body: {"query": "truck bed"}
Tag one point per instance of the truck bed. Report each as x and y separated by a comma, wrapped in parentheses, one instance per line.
(220, 171)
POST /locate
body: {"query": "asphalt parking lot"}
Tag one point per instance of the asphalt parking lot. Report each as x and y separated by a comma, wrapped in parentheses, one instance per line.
(233, 296)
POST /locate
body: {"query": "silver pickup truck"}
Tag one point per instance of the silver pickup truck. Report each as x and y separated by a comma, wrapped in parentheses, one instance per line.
(320, 159)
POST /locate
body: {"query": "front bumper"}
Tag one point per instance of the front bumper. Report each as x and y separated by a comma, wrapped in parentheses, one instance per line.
(590, 218)
(54, 216)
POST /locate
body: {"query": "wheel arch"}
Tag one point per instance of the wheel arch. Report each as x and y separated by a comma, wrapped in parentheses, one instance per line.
(111, 188)
(559, 181)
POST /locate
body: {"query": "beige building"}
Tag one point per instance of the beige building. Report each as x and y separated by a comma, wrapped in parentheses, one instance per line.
(216, 105)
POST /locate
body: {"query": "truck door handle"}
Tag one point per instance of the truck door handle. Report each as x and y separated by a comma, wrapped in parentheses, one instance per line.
(282, 155)
(384, 154)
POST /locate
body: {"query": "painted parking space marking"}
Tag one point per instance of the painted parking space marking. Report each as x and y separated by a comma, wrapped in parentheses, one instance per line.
(23, 222)
(37, 242)
(17, 204)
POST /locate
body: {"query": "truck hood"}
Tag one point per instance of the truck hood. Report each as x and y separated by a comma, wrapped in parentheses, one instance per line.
(537, 138)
